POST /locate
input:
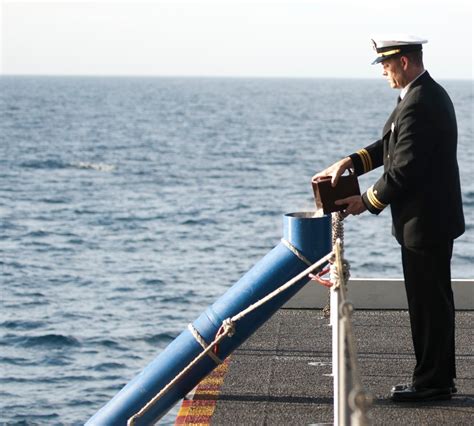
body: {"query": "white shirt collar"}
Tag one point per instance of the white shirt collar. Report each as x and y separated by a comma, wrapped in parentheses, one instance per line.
(405, 89)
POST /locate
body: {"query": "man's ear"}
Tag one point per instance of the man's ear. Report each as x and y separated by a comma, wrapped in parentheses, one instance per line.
(404, 62)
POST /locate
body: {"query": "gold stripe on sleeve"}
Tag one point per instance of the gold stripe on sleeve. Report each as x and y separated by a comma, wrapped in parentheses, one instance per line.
(374, 200)
(361, 154)
(366, 159)
(369, 160)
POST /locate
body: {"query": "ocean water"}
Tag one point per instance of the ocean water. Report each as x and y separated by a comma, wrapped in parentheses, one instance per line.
(127, 205)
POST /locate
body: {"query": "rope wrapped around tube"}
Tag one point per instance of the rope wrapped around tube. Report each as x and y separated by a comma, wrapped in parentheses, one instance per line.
(203, 344)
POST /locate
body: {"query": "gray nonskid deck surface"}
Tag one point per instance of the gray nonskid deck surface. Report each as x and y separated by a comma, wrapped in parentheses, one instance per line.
(281, 375)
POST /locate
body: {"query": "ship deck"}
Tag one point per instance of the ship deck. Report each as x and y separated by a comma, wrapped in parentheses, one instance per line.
(282, 374)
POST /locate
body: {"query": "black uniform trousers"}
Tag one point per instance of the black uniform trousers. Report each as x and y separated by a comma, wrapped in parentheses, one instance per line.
(427, 272)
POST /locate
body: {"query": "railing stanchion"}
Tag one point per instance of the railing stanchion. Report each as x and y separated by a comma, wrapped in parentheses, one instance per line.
(335, 350)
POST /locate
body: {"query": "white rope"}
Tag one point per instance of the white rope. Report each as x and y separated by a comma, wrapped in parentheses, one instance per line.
(284, 287)
(295, 251)
(334, 273)
(203, 344)
(227, 329)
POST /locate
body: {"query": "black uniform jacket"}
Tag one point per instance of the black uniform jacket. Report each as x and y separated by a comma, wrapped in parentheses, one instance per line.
(421, 175)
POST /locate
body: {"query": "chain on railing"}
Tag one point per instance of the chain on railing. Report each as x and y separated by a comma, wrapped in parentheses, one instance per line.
(337, 226)
(351, 402)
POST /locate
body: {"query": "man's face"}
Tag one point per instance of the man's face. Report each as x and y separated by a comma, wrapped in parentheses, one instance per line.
(392, 69)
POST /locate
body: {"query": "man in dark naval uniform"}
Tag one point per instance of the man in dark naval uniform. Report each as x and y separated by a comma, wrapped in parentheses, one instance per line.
(420, 182)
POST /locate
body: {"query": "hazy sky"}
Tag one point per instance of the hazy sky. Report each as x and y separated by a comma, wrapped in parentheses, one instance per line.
(293, 38)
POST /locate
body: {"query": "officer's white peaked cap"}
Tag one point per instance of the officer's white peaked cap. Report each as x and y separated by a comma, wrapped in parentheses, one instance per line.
(388, 46)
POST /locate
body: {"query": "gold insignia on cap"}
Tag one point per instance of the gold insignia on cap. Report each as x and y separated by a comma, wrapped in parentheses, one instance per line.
(389, 52)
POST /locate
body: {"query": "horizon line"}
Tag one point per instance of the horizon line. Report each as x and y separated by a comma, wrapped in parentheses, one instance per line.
(262, 77)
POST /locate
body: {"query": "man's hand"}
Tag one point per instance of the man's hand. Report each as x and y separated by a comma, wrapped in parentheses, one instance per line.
(355, 205)
(336, 170)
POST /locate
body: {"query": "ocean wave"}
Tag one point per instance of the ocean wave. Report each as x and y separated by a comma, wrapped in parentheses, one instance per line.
(466, 258)
(46, 340)
(108, 343)
(152, 281)
(122, 290)
(7, 225)
(105, 366)
(82, 402)
(17, 361)
(199, 222)
(37, 234)
(140, 219)
(52, 164)
(85, 211)
(100, 167)
(25, 305)
(159, 338)
(175, 299)
(27, 418)
(12, 379)
(22, 325)
(263, 213)
(55, 200)
(43, 164)
(30, 295)
(55, 361)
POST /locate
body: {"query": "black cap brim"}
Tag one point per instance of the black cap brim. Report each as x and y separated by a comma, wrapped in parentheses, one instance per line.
(383, 58)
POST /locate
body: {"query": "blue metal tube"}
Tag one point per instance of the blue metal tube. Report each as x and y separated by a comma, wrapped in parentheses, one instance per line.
(312, 238)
